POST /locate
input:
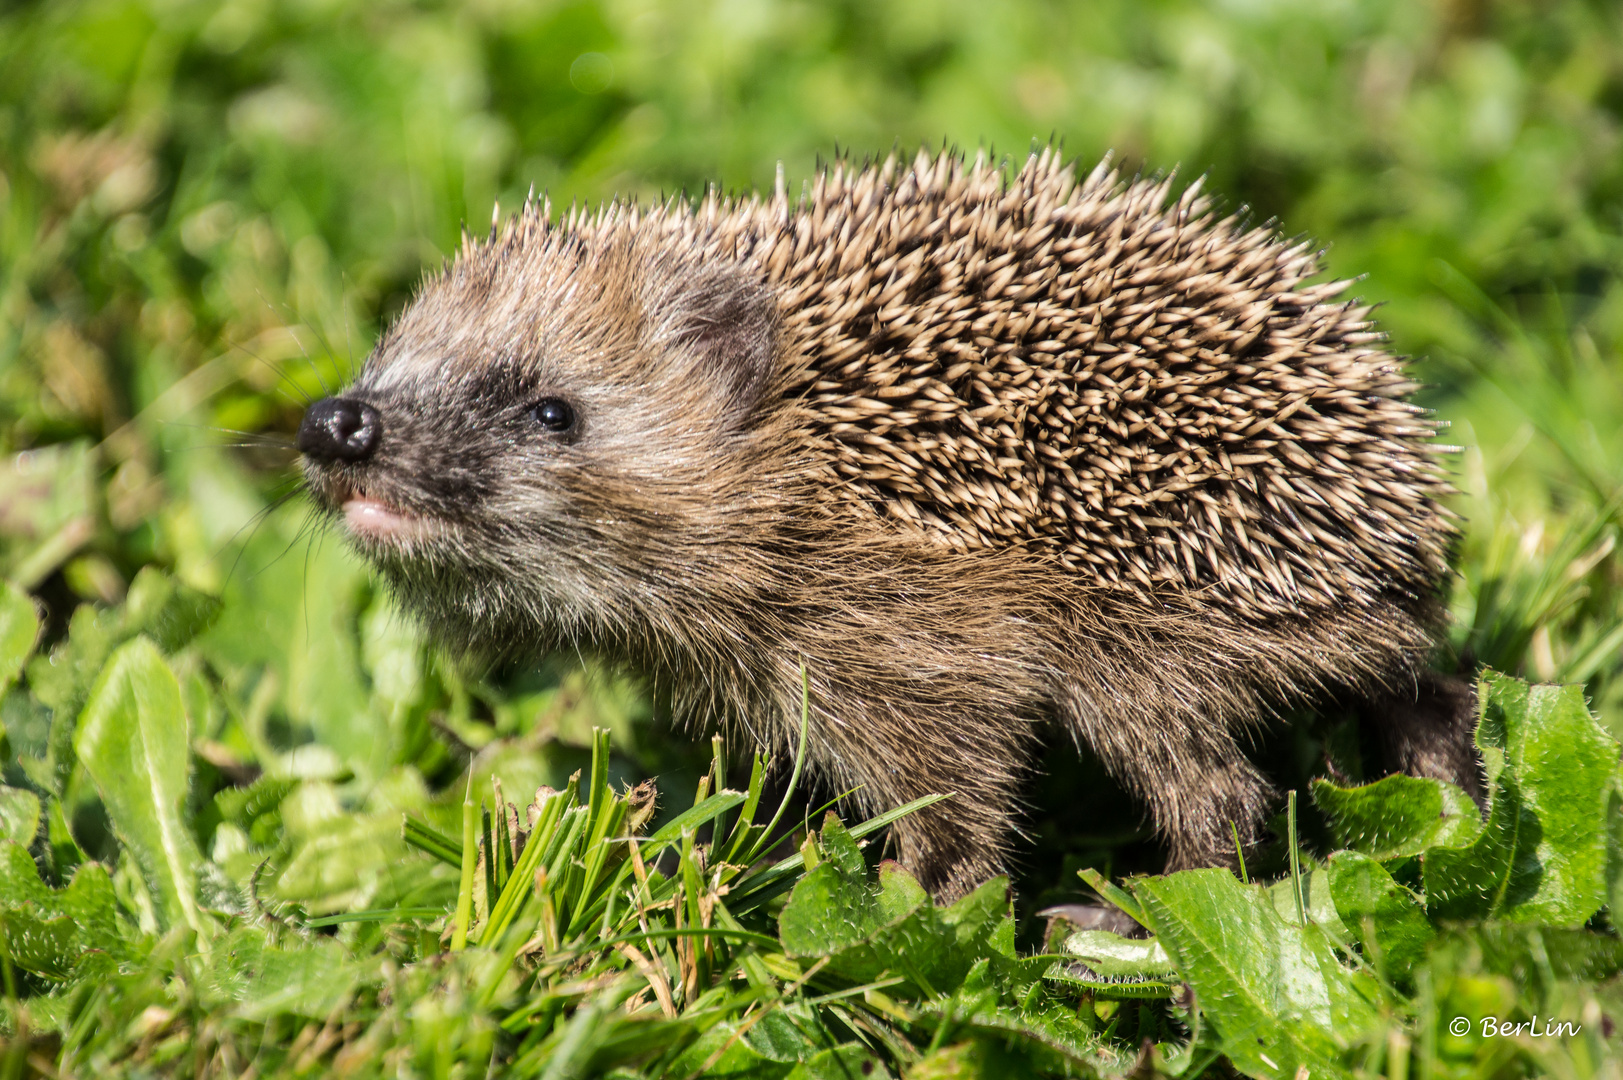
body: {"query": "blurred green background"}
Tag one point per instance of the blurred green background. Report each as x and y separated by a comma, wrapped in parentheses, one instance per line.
(207, 210)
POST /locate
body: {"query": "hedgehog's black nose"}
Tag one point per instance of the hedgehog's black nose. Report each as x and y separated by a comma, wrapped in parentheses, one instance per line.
(339, 429)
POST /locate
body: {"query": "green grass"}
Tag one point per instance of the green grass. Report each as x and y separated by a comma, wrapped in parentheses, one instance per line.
(569, 935)
(206, 212)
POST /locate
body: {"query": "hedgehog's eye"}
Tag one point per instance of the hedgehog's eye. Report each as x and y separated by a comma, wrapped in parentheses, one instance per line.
(554, 414)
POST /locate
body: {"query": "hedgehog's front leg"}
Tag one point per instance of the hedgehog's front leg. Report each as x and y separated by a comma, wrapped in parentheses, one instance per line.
(896, 755)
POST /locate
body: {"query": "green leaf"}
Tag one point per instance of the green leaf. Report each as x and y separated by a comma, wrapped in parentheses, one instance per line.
(1529, 954)
(19, 877)
(425, 837)
(841, 850)
(90, 901)
(19, 630)
(1317, 900)
(788, 1033)
(295, 618)
(1112, 954)
(1614, 846)
(170, 613)
(1027, 1042)
(19, 815)
(244, 805)
(981, 919)
(725, 1053)
(1398, 816)
(869, 930)
(835, 907)
(62, 679)
(1114, 894)
(840, 1063)
(691, 818)
(47, 946)
(1116, 967)
(1387, 918)
(260, 979)
(753, 890)
(1542, 857)
(132, 739)
(48, 931)
(1275, 993)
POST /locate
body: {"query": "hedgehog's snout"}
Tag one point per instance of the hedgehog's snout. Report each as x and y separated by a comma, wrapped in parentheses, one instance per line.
(340, 429)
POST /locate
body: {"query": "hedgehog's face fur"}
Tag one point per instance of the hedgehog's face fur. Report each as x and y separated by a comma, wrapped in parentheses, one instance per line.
(544, 431)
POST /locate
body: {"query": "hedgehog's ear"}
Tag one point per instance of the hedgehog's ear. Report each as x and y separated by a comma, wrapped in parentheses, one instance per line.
(729, 322)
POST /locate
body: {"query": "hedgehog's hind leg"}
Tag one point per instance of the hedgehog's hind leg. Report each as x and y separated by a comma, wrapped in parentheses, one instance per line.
(1187, 768)
(1429, 728)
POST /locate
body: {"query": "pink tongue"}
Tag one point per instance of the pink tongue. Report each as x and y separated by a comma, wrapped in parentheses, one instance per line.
(368, 517)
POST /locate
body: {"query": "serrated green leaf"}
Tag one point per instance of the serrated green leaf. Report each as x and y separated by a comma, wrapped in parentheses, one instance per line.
(1112, 954)
(840, 1063)
(975, 919)
(1040, 1042)
(132, 739)
(788, 1033)
(1387, 918)
(19, 877)
(868, 931)
(1542, 857)
(19, 630)
(49, 946)
(841, 850)
(257, 979)
(89, 904)
(242, 805)
(1110, 987)
(724, 1052)
(1275, 993)
(1398, 816)
(19, 815)
(1115, 967)
(90, 901)
(835, 907)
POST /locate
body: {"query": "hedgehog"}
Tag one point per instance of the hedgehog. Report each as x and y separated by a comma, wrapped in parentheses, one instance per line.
(983, 452)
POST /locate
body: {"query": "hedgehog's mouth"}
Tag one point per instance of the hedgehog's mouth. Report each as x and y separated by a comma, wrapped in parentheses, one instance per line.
(377, 520)
(372, 520)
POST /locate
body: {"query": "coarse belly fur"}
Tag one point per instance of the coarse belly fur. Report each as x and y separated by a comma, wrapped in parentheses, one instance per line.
(933, 671)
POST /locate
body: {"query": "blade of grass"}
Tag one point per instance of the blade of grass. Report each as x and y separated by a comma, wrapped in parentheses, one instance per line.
(690, 819)
(763, 845)
(428, 839)
(744, 829)
(492, 858)
(755, 889)
(521, 883)
(464, 893)
(1296, 859)
(1115, 894)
